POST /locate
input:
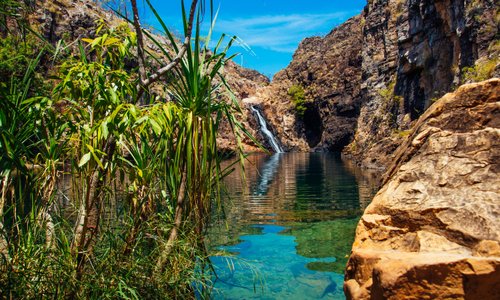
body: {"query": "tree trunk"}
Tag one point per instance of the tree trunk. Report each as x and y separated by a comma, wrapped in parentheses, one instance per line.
(4, 246)
(140, 52)
(89, 213)
(179, 211)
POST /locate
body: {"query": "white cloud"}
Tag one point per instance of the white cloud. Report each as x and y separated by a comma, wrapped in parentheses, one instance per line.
(280, 33)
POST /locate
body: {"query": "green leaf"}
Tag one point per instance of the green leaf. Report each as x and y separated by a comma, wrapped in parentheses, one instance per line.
(97, 160)
(104, 130)
(156, 127)
(84, 160)
(86, 40)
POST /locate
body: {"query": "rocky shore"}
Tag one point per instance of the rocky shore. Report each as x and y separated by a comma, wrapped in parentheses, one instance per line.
(432, 231)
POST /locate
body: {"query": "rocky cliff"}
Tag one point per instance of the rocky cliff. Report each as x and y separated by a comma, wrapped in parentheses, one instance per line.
(414, 52)
(432, 231)
(367, 82)
(328, 71)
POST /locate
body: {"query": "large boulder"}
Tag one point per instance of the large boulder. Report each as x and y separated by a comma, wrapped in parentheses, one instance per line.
(432, 231)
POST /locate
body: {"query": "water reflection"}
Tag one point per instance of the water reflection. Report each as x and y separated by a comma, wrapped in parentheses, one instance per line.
(267, 174)
(289, 226)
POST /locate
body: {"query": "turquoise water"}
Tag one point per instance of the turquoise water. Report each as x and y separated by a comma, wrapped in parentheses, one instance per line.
(288, 228)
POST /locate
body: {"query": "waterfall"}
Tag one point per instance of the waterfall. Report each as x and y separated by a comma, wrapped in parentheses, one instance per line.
(263, 127)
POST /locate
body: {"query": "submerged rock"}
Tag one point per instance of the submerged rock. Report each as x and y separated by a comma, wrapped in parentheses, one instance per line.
(432, 231)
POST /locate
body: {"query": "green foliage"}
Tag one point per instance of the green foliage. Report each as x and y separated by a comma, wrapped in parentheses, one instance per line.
(14, 11)
(482, 70)
(402, 133)
(389, 97)
(388, 92)
(16, 54)
(127, 167)
(362, 22)
(297, 94)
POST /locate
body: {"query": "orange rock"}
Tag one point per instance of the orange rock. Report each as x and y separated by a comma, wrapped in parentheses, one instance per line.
(432, 231)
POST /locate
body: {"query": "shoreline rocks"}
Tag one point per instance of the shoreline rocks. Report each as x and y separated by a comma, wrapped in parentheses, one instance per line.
(432, 231)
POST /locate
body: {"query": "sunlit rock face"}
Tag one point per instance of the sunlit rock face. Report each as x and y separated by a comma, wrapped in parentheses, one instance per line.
(432, 231)
(244, 83)
(367, 82)
(413, 53)
(328, 69)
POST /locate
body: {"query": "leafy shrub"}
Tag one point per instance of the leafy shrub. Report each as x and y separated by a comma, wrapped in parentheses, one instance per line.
(137, 173)
(296, 92)
(15, 57)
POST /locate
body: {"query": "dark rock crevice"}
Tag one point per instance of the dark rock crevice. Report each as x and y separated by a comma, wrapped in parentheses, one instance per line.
(313, 125)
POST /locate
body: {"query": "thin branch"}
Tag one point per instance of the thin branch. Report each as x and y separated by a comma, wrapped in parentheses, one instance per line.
(140, 44)
(145, 83)
(4, 246)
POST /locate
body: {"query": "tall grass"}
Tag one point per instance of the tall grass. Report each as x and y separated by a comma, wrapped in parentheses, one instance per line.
(142, 180)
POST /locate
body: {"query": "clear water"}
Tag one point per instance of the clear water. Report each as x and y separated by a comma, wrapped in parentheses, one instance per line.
(288, 228)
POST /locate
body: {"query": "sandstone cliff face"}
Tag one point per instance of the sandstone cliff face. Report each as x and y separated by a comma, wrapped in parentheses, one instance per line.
(328, 69)
(370, 79)
(69, 20)
(414, 51)
(432, 231)
(244, 83)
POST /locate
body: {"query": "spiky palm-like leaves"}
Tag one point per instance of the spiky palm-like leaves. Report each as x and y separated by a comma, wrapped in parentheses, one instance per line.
(143, 179)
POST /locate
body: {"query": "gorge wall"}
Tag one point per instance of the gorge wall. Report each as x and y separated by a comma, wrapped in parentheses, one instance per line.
(363, 85)
(328, 71)
(372, 89)
(368, 81)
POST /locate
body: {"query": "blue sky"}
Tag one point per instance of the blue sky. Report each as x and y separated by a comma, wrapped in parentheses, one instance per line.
(271, 28)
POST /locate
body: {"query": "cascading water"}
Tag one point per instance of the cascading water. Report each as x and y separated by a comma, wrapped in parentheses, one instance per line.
(263, 127)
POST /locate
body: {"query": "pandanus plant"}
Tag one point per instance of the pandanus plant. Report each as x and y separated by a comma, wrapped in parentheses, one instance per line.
(197, 92)
(171, 148)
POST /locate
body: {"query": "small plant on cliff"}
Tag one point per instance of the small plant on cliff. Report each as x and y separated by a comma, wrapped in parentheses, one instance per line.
(389, 97)
(482, 70)
(297, 94)
(394, 104)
